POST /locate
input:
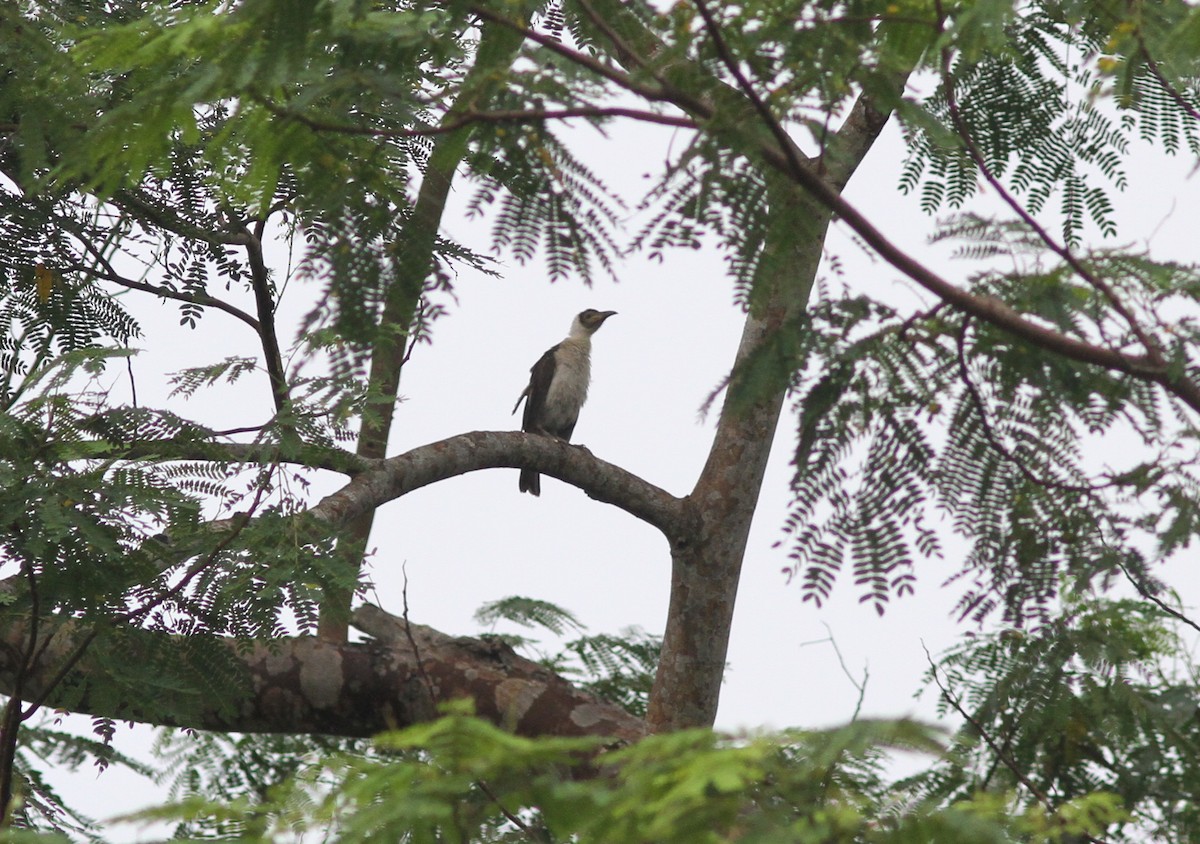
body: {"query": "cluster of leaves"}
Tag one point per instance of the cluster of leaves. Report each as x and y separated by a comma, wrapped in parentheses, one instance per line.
(1093, 702)
(902, 417)
(616, 668)
(459, 779)
(1027, 91)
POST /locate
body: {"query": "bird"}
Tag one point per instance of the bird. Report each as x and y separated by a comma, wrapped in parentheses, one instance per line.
(558, 386)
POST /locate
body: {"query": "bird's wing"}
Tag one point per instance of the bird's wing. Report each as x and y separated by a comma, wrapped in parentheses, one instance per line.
(540, 376)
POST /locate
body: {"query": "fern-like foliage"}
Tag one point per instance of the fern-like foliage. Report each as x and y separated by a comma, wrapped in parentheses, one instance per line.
(1027, 89)
(1091, 702)
(618, 668)
(49, 307)
(464, 779)
(903, 418)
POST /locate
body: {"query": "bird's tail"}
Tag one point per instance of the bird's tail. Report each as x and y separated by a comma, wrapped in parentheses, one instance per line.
(531, 482)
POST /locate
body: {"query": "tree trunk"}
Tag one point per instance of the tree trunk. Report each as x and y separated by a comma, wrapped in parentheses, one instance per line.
(706, 567)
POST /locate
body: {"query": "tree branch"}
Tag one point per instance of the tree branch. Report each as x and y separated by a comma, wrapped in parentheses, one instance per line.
(136, 204)
(264, 303)
(397, 476)
(202, 299)
(305, 685)
(165, 450)
(470, 118)
(414, 256)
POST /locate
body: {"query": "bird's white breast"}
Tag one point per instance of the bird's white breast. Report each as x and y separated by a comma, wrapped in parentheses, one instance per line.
(569, 387)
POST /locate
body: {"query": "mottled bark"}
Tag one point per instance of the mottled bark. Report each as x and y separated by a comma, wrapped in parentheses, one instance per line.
(307, 685)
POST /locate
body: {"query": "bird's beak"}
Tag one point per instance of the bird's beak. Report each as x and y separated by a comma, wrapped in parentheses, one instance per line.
(607, 314)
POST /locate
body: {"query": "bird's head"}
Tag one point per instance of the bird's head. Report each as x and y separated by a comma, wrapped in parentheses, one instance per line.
(589, 321)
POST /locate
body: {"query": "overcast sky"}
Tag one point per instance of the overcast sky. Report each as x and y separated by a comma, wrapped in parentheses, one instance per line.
(475, 539)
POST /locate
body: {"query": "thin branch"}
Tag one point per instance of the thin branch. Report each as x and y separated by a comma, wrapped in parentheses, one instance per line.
(1170, 90)
(109, 273)
(412, 641)
(861, 687)
(989, 433)
(1145, 592)
(265, 305)
(533, 834)
(202, 299)
(786, 146)
(1001, 754)
(983, 733)
(618, 77)
(1153, 350)
(469, 118)
(627, 55)
(135, 203)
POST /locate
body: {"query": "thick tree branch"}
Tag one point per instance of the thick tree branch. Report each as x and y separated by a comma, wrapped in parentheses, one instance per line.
(414, 259)
(397, 476)
(305, 685)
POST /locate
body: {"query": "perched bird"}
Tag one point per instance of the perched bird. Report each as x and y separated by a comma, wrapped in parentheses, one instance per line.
(558, 385)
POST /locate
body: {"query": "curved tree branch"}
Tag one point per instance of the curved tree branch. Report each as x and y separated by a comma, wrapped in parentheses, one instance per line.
(397, 476)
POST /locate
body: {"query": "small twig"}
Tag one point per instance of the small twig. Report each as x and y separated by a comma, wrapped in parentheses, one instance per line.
(1162, 80)
(1142, 590)
(412, 641)
(1001, 754)
(533, 833)
(132, 381)
(861, 687)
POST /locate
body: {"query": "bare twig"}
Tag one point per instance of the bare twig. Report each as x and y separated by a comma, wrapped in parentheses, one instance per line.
(861, 686)
(412, 642)
(1145, 592)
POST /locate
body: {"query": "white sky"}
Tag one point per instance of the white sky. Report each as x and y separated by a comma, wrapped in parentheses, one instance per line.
(474, 539)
